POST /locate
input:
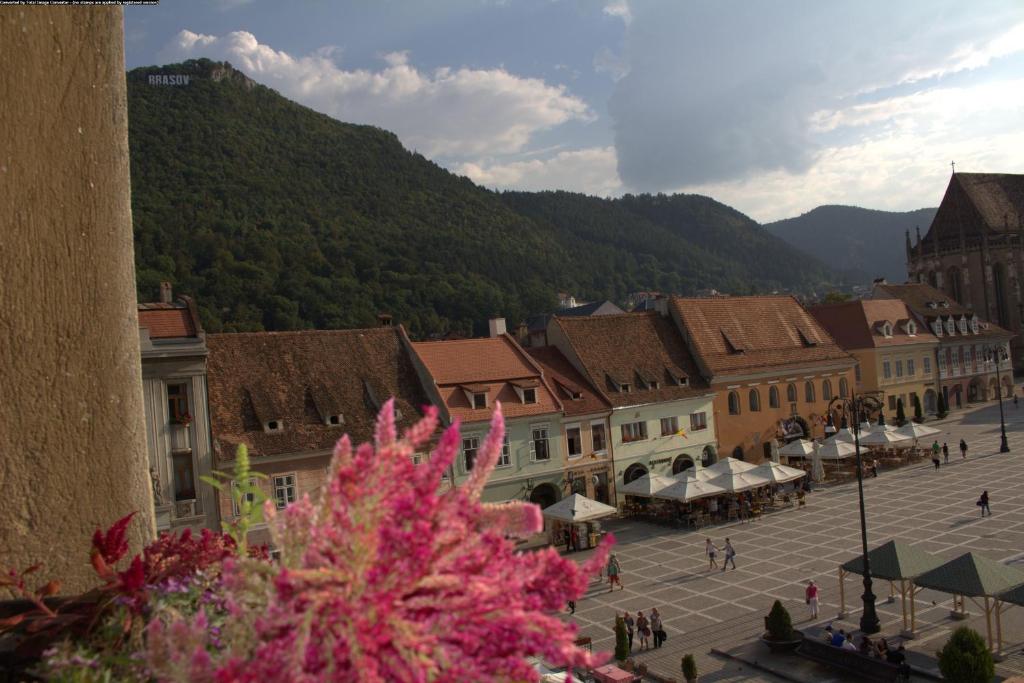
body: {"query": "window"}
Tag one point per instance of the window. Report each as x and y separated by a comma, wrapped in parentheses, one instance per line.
(942, 362)
(856, 372)
(470, 445)
(773, 397)
(844, 386)
(809, 392)
(826, 390)
(574, 440)
(954, 360)
(184, 475)
(962, 325)
(625, 388)
(335, 420)
(669, 426)
(284, 490)
(755, 400)
(968, 358)
(479, 400)
(177, 404)
(911, 328)
(529, 395)
(926, 366)
(887, 330)
(597, 436)
(698, 421)
(634, 431)
(505, 459)
(892, 403)
(734, 403)
(974, 324)
(791, 393)
(250, 496)
(910, 367)
(539, 443)
(937, 327)
(273, 426)
(417, 458)
(899, 368)
(950, 326)
(886, 370)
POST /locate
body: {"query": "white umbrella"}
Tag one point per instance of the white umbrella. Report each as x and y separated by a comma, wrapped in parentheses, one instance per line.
(577, 508)
(729, 466)
(776, 473)
(798, 449)
(647, 485)
(734, 482)
(836, 450)
(884, 437)
(916, 431)
(817, 469)
(846, 435)
(701, 474)
(686, 490)
(867, 427)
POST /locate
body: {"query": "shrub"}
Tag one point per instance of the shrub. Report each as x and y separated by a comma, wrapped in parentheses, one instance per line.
(965, 658)
(901, 417)
(918, 414)
(779, 623)
(621, 640)
(942, 410)
(689, 667)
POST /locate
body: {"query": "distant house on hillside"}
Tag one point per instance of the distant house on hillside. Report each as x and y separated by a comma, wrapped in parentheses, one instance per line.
(537, 326)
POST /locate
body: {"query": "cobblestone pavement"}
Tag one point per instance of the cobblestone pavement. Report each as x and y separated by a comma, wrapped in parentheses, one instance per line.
(778, 554)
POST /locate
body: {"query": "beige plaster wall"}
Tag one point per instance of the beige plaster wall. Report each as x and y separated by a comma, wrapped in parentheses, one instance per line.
(72, 444)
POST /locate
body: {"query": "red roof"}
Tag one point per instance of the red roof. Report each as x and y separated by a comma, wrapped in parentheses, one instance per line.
(567, 382)
(854, 324)
(166, 323)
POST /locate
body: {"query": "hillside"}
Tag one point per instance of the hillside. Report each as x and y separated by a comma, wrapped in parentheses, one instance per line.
(869, 242)
(276, 217)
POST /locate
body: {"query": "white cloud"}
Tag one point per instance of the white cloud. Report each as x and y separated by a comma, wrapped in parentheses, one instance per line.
(450, 112)
(607, 62)
(590, 170)
(972, 56)
(619, 9)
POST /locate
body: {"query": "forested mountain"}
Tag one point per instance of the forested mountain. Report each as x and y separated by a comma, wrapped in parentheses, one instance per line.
(276, 217)
(869, 242)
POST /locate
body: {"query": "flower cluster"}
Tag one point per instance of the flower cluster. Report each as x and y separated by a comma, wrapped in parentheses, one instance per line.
(388, 577)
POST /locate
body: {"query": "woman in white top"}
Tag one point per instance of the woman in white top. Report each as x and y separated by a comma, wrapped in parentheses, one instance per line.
(711, 550)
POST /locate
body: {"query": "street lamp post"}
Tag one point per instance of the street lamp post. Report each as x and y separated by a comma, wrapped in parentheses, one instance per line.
(998, 353)
(855, 406)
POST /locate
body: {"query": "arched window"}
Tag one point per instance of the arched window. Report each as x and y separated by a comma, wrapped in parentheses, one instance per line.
(734, 403)
(755, 401)
(826, 390)
(844, 388)
(773, 397)
(791, 393)
(738, 453)
(809, 391)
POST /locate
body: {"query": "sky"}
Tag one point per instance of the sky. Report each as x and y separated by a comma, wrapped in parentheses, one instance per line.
(773, 108)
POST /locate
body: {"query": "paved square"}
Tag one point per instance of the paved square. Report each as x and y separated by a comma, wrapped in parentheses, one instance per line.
(777, 554)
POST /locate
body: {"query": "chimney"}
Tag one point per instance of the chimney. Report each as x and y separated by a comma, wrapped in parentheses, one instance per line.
(166, 294)
(496, 327)
(384, 319)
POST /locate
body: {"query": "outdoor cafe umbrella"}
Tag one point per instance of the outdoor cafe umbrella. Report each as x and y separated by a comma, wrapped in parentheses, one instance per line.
(685, 490)
(577, 508)
(845, 435)
(916, 431)
(836, 450)
(797, 449)
(776, 473)
(817, 469)
(701, 474)
(729, 466)
(734, 482)
(646, 485)
(883, 437)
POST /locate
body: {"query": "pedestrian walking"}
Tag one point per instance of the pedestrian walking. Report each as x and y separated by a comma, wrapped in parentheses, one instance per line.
(1015, 400)
(811, 596)
(874, 468)
(613, 570)
(935, 454)
(572, 607)
(643, 629)
(567, 537)
(656, 628)
(983, 504)
(711, 550)
(629, 629)
(963, 449)
(945, 452)
(574, 537)
(730, 555)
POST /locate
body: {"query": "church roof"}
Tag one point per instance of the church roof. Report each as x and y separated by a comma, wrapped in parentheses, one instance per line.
(979, 202)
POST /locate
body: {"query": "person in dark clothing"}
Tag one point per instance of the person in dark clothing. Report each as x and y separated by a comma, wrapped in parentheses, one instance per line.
(574, 537)
(963, 449)
(630, 626)
(983, 504)
(572, 607)
(945, 452)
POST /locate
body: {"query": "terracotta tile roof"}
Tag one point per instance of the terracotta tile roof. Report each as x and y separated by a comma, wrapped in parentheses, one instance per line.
(301, 378)
(625, 348)
(742, 333)
(567, 382)
(169, 321)
(853, 324)
(488, 365)
(929, 303)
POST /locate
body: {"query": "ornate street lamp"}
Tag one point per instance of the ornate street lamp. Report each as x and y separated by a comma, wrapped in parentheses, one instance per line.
(857, 407)
(998, 353)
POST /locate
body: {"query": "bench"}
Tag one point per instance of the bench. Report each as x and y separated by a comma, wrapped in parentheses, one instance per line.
(866, 668)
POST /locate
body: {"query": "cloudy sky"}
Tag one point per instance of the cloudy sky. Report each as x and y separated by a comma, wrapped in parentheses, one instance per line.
(771, 107)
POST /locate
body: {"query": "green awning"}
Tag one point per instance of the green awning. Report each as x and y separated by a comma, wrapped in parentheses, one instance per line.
(895, 560)
(972, 575)
(1015, 595)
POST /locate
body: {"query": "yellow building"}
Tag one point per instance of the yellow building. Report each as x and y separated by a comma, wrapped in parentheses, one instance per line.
(895, 355)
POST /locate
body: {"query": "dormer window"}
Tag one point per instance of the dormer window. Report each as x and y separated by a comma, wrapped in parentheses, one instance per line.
(480, 400)
(911, 328)
(476, 395)
(625, 388)
(529, 395)
(962, 325)
(950, 326)
(974, 324)
(943, 304)
(526, 389)
(937, 327)
(676, 376)
(886, 330)
(932, 304)
(335, 420)
(273, 426)
(806, 338)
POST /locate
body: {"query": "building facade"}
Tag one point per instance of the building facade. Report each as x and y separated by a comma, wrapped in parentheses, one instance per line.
(896, 356)
(173, 347)
(661, 420)
(772, 367)
(468, 377)
(966, 371)
(974, 250)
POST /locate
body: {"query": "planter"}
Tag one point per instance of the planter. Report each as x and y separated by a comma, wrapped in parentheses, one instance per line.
(783, 646)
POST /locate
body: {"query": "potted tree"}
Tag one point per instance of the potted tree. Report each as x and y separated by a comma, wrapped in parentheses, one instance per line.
(965, 659)
(779, 635)
(918, 414)
(901, 416)
(689, 669)
(942, 409)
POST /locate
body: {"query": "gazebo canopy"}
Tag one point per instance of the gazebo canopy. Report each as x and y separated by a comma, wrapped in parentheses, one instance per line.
(1014, 595)
(776, 473)
(734, 482)
(729, 465)
(685, 490)
(893, 561)
(577, 508)
(972, 575)
(800, 448)
(647, 485)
